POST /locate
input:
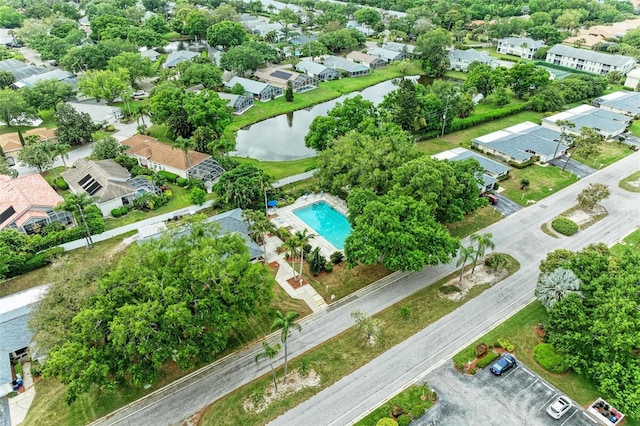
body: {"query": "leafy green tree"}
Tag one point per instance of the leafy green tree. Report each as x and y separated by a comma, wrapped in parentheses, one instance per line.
(369, 329)
(5, 169)
(589, 197)
(484, 79)
(288, 93)
(241, 59)
(107, 84)
(269, 352)
(9, 17)
(105, 148)
(465, 253)
(198, 196)
(207, 109)
(525, 78)
(156, 307)
(36, 153)
(208, 75)
(259, 227)
(226, 34)
(136, 66)
(196, 23)
(484, 242)
(14, 111)
(74, 128)
(553, 287)
(403, 105)
(241, 186)
(339, 40)
(47, 94)
(588, 143)
(167, 106)
(431, 48)
(398, 232)
(368, 16)
(6, 79)
(225, 12)
(60, 149)
(285, 322)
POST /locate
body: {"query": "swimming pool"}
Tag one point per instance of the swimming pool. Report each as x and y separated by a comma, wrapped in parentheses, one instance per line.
(326, 221)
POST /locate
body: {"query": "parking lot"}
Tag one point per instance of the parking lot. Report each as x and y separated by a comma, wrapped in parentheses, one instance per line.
(517, 397)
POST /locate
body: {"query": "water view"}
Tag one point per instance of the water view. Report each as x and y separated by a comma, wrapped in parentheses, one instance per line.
(282, 138)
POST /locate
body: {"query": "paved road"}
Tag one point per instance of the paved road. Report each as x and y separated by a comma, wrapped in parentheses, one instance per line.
(518, 234)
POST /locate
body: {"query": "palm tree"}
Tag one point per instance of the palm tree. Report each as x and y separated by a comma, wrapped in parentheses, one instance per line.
(285, 322)
(76, 203)
(465, 254)
(554, 286)
(484, 242)
(259, 226)
(60, 149)
(270, 352)
(184, 144)
(302, 238)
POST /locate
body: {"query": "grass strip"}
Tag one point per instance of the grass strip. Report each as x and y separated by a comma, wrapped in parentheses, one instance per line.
(340, 356)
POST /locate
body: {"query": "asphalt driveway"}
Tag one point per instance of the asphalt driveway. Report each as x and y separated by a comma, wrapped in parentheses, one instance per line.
(517, 397)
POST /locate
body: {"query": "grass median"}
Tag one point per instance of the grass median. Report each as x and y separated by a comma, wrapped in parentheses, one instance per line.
(341, 355)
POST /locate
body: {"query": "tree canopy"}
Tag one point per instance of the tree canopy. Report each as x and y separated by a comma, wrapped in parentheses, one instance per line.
(176, 299)
(74, 128)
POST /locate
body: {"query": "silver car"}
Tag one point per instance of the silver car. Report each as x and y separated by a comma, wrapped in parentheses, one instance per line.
(559, 407)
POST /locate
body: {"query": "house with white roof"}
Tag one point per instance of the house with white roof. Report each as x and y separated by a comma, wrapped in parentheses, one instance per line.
(316, 70)
(460, 60)
(633, 79)
(406, 49)
(150, 54)
(522, 144)
(256, 89)
(174, 58)
(372, 62)
(360, 28)
(589, 60)
(609, 124)
(523, 47)
(57, 74)
(100, 113)
(345, 66)
(493, 171)
(386, 54)
(627, 103)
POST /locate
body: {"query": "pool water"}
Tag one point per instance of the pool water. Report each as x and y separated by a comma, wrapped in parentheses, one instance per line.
(326, 221)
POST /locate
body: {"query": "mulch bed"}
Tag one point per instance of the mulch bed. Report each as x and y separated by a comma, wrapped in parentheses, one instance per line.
(296, 284)
(274, 266)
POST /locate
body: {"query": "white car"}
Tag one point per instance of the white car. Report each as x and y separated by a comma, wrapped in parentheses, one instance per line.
(559, 407)
(140, 94)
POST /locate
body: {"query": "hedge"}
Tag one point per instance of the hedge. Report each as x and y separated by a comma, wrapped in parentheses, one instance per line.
(62, 184)
(550, 359)
(33, 262)
(181, 181)
(564, 225)
(504, 344)
(487, 359)
(171, 177)
(561, 68)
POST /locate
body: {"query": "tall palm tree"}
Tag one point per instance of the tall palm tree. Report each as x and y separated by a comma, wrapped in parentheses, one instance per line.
(60, 149)
(184, 144)
(76, 203)
(259, 226)
(285, 322)
(269, 352)
(554, 286)
(465, 254)
(484, 241)
(302, 238)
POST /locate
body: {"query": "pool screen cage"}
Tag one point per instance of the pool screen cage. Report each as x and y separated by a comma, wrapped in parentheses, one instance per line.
(209, 170)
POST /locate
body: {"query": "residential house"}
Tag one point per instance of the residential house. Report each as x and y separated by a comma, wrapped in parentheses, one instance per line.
(108, 183)
(386, 54)
(521, 144)
(214, 55)
(633, 79)
(150, 54)
(256, 89)
(627, 103)
(20, 69)
(609, 124)
(460, 60)
(302, 39)
(27, 202)
(281, 77)
(100, 113)
(589, 60)
(406, 49)
(239, 103)
(156, 156)
(354, 25)
(57, 74)
(231, 222)
(493, 171)
(264, 29)
(316, 70)
(523, 47)
(345, 66)
(10, 142)
(174, 58)
(370, 61)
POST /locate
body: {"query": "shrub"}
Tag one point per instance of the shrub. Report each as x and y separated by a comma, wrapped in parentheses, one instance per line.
(387, 421)
(141, 171)
(463, 357)
(449, 289)
(550, 359)
(167, 193)
(198, 196)
(336, 257)
(496, 261)
(564, 225)
(487, 359)
(36, 369)
(116, 212)
(481, 349)
(504, 344)
(18, 369)
(404, 420)
(418, 410)
(473, 371)
(328, 267)
(171, 177)
(181, 181)
(62, 184)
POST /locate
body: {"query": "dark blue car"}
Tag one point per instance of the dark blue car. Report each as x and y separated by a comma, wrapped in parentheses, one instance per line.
(503, 364)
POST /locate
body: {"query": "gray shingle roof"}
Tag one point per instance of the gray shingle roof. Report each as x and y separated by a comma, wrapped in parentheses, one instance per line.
(311, 67)
(174, 58)
(595, 118)
(399, 47)
(390, 55)
(487, 164)
(251, 86)
(590, 55)
(110, 175)
(623, 101)
(471, 55)
(57, 74)
(521, 142)
(519, 41)
(337, 62)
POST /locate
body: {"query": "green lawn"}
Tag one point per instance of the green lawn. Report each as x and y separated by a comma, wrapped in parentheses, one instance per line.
(631, 241)
(519, 329)
(543, 181)
(464, 137)
(159, 131)
(610, 152)
(455, 75)
(474, 222)
(281, 169)
(635, 128)
(626, 182)
(407, 399)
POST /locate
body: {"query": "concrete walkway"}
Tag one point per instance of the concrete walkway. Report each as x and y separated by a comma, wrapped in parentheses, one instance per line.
(19, 405)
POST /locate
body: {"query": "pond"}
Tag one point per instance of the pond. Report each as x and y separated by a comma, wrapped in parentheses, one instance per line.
(281, 138)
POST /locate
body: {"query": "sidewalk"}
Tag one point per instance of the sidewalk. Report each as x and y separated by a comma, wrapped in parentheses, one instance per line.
(19, 405)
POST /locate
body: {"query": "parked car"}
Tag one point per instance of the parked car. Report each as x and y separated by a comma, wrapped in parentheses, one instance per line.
(140, 94)
(559, 407)
(503, 364)
(492, 199)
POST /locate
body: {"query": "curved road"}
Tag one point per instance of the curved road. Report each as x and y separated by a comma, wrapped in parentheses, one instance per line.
(345, 401)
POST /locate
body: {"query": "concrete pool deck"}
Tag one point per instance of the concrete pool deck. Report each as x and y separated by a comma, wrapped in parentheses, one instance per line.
(284, 217)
